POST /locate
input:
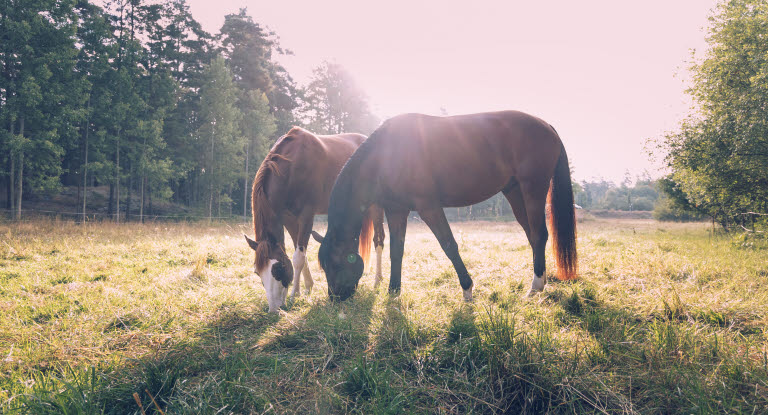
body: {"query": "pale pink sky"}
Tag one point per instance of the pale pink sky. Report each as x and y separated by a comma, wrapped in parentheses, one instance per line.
(606, 74)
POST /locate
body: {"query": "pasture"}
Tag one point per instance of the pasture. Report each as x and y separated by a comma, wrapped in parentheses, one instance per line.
(665, 318)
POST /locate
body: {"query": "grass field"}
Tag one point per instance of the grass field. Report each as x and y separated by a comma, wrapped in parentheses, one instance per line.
(666, 318)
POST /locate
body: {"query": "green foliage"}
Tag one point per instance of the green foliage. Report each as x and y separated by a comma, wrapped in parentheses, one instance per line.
(250, 51)
(220, 140)
(719, 156)
(121, 94)
(41, 95)
(602, 194)
(673, 205)
(336, 104)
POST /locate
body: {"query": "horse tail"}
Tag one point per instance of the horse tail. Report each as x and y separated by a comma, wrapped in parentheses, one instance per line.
(366, 237)
(562, 219)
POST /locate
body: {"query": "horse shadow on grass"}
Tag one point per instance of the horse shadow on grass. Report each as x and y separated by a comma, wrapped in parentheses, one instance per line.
(241, 361)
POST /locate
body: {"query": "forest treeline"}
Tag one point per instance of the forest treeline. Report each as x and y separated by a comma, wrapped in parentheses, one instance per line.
(134, 96)
(131, 101)
(640, 193)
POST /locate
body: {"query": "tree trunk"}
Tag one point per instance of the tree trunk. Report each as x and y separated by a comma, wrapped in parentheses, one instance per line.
(130, 192)
(218, 204)
(141, 203)
(21, 171)
(79, 193)
(245, 182)
(143, 166)
(111, 204)
(85, 160)
(9, 182)
(210, 201)
(11, 191)
(210, 177)
(117, 178)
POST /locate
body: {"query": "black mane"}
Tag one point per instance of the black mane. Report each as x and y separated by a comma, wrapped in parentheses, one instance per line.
(341, 194)
(339, 210)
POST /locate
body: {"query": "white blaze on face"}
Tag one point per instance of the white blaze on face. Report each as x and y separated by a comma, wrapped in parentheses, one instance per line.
(275, 290)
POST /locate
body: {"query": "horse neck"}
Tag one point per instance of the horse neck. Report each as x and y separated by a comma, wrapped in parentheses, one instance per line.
(351, 197)
(271, 222)
(276, 230)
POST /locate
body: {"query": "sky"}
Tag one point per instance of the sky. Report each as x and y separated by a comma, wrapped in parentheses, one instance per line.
(607, 74)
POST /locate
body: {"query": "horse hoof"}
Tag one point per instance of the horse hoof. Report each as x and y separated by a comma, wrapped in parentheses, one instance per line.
(533, 292)
(468, 294)
(308, 292)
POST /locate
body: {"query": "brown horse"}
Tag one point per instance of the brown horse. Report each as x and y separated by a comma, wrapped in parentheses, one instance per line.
(292, 185)
(425, 163)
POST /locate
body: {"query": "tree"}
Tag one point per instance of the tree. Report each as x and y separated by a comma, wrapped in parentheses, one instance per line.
(335, 103)
(186, 48)
(257, 125)
(221, 142)
(719, 156)
(42, 97)
(127, 93)
(250, 51)
(673, 205)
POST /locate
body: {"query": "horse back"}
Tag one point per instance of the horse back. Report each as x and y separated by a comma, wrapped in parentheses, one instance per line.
(313, 162)
(462, 160)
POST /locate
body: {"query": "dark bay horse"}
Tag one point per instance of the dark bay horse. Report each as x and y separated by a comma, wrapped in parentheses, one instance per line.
(425, 163)
(292, 185)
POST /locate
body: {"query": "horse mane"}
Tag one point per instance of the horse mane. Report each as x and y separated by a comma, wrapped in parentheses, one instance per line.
(340, 194)
(339, 210)
(261, 208)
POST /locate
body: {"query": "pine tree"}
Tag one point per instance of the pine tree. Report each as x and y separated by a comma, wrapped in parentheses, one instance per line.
(257, 126)
(221, 142)
(336, 104)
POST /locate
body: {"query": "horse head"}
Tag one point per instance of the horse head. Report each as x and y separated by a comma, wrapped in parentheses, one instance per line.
(273, 266)
(342, 265)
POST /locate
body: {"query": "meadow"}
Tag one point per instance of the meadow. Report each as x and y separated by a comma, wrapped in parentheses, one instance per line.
(100, 318)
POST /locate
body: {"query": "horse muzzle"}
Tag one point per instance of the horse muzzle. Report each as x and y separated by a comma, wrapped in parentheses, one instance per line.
(340, 294)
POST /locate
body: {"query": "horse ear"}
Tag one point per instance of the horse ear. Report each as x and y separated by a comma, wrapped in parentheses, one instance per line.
(253, 244)
(318, 237)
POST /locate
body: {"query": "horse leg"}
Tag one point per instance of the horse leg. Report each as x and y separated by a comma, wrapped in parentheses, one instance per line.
(397, 221)
(535, 197)
(308, 283)
(378, 239)
(515, 198)
(305, 221)
(438, 224)
(292, 226)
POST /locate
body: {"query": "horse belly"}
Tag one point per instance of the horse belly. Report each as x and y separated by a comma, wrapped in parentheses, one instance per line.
(447, 185)
(471, 189)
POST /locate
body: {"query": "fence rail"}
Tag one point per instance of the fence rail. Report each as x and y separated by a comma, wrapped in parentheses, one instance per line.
(107, 216)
